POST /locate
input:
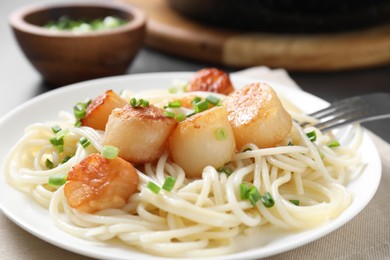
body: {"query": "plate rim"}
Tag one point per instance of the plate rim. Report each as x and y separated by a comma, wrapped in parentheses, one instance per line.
(249, 254)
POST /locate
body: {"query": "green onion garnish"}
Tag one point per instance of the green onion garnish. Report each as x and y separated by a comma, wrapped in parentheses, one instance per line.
(295, 202)
(139, 103)
(66, 158)
(312, 136)
(57, 141)
(244, 191)
(221, 134)
(110, 152)
(169, 183)
(253, 195)
(62, 133)
(60, 148)
(290, 143)
(267, 200)
(169, 114)
(49, 164)
(201, 106)
(174, 104)
(84, 142)
(322, 155)
(153, 187)
(79, 110)
(56, 180)
(180, 117)
(333, 144)
(195, 100)
(191, 113)
(225, 169)
(56, 128)
(213, 100)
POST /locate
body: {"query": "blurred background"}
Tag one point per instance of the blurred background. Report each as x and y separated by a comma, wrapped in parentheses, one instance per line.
(331, 53)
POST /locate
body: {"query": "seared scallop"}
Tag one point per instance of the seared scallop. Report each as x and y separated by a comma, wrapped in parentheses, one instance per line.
(98, 111)
(97, 183)
(203, 139)
(211, 80)
(257, 116)
(140, 133)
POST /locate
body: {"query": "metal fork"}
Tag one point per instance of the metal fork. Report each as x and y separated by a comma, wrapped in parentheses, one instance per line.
(353, 110)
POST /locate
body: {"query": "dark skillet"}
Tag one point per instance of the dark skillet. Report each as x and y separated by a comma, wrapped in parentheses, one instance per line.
(286, 15)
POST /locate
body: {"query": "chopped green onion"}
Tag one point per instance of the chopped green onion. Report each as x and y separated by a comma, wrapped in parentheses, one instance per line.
(213, 100)
(169, 114)
(225, 169)
(201, 106)
(267, 200)
(56, 128)
(79, 110)
(84, 142)
(191, 113)
(196, 100)
(169, 183)
(153, 187)
(139, 103)
(60, 148)
(49, 164)
(174, 104)
(295, 202)
(66, 158)
(56, 180)
(253, 195)
(87, 102)
(322, 155)
(221, 134)
(133, 102)
(110, 152)
(57, 141)
(290, 143)
(244, 191)
(180, 117)
(312, 136)
(333, 144)
(62, 133)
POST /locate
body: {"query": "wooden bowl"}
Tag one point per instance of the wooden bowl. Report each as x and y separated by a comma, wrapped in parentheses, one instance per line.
(63, 57)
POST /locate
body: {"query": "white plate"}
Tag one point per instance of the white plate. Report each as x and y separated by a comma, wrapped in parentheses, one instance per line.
(25, 212)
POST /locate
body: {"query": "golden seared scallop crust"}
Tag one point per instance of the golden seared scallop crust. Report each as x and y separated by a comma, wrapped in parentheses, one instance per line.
(257, 116)
(100, 109)
(140, 133)
(97, 183)
(201, 140)
(211, 80)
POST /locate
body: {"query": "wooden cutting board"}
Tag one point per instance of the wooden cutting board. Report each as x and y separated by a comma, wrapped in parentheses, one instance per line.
(172, 33)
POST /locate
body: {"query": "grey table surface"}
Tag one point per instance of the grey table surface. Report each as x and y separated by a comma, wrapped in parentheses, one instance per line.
(19, 81)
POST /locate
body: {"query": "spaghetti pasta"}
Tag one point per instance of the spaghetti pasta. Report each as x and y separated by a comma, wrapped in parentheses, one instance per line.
(198, 217)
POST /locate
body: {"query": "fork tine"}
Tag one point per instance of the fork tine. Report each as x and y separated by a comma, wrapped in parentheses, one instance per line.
(343, 119)
(356, 109)
(338, 105)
